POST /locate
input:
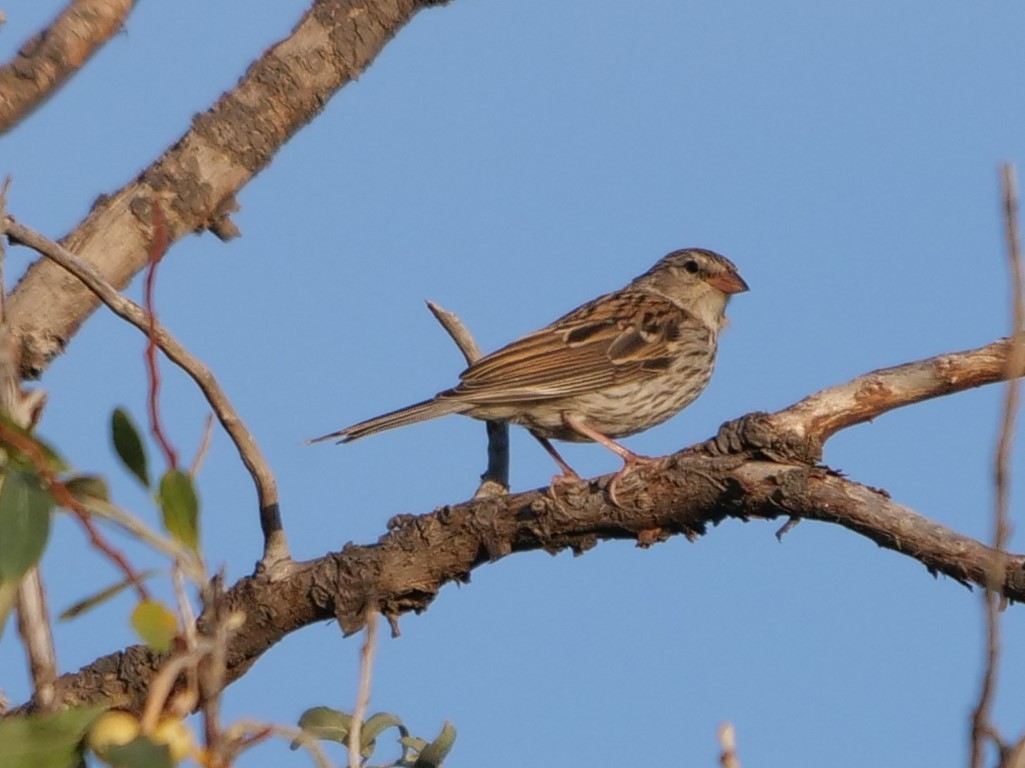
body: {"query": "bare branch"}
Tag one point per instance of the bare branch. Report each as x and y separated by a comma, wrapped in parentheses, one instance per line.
(36, 635)
(801, 429)
(458, 331)
(44, 63)
(682, 494)
(495, 480)
(758, 466)
(275, 545)
(728, 746)
(359, 712)
(195, 181)
(204, 446)
(34, 623)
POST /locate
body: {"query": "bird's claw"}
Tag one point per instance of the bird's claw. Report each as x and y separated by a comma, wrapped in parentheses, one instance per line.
(566, 478)
(632, 462)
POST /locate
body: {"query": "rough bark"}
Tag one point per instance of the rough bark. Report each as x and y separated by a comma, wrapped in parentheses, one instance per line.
(194, 182)
(46, 61)
(682, 494)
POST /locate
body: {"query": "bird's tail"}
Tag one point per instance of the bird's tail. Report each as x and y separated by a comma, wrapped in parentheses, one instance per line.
(428, 409)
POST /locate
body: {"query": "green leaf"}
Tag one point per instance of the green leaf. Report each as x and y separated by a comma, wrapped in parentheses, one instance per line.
(98, 598)
(325, 723)
(45, 741)
(24, 522)
(139, 753)
(128, 445)
(376, 725)
(435, 753)
(155, 624)
(412, 744)
(180, 508)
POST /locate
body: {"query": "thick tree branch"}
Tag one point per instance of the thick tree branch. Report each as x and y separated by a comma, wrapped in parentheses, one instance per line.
(195, 181)
(737, 474)
(44, 63)
(404, 571)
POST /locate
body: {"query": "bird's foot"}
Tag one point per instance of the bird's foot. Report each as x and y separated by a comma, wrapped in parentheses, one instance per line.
(568, 477)
(631, 462)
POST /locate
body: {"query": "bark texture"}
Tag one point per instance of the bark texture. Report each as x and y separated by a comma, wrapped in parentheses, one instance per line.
(195, 181)
(683, 494)
(50, 58)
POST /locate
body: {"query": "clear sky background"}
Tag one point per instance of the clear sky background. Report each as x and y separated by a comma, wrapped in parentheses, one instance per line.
(511, 160)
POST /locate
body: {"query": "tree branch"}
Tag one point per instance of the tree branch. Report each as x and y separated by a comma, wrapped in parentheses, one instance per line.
(495, 480)
(404, 571)
(275, 545)
(801, 430)
(728, 476)
(45, 62)
(195, 181)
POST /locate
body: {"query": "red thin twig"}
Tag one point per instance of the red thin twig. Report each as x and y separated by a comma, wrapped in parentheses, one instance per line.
(152, 371)
(35, 454)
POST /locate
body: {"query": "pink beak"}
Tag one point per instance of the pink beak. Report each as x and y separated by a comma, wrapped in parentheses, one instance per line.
(728, 283)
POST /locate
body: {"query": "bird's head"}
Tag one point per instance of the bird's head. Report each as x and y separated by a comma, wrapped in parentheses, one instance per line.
(698, 280)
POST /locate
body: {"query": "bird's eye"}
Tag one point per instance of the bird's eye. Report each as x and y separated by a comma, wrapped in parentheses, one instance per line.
(690, 266)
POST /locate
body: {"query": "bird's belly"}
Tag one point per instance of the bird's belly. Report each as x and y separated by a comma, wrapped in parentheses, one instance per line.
(615, 412)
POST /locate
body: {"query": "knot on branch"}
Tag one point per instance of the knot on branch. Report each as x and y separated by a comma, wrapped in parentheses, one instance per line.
(759, 435)
(1014, 578)
(354, 591)
(220, 223)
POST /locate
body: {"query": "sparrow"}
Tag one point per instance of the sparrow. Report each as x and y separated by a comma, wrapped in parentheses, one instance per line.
(610, 368)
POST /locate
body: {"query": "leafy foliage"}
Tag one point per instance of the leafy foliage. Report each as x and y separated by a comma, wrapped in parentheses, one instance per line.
(329, 724)
(45, 741)
(179, 506)
(155, 624)
(24, 522)
(128, 445)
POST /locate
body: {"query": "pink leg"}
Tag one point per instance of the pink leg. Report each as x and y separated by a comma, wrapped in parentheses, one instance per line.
(630, 459)
(567, 470)
(568, 475)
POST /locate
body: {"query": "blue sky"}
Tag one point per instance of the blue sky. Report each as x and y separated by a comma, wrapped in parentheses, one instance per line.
(510, 161)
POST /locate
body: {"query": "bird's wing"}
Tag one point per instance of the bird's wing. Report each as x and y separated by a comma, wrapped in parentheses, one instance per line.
(617, 339)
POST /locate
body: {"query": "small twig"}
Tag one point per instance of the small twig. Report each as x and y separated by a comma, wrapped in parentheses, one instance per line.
(728, 746)
(359, 712)
(459, 332)
(185, 609)
(275, 544)
(211, 671)
(261, 730)
(156, 253)
(163, 683)
(495, 480)
(204, 445)
(1002, 461)
(134, 526)
(37, 637)
(34, 625)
